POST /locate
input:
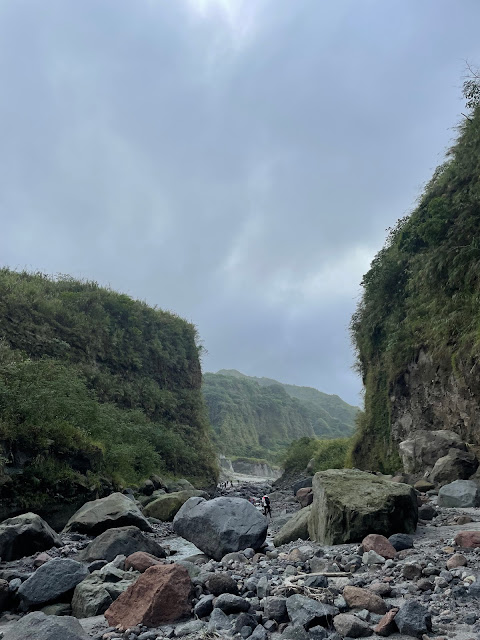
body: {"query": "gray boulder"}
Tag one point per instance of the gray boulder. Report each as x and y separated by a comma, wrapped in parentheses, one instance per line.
(51, 581)
(116, 510)
(221, 526)
(424, 448)
(120, 541)
(460, 493)
(456, 465)
(296, 527)
(306, 612)
(351, 626)
(95, 594)
(349, 504)
(38, 626)
(25, 535)
(413, 619)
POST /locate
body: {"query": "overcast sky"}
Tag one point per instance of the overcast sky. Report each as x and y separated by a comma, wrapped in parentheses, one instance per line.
(234, 161)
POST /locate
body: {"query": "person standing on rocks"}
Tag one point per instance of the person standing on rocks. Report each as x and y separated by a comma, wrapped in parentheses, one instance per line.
(267, 511)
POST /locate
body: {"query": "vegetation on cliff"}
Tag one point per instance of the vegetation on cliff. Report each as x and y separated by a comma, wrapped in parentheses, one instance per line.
(258, 417)
(317, 455)
(94, 384)
(422, 292)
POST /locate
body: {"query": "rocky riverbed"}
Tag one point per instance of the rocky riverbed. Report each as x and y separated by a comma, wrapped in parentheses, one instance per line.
(425, 585)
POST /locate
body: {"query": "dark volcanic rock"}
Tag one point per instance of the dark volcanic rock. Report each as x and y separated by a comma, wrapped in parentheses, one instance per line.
(306, 612)
(401, 541)
(51, 581)
(25, 535)
(120, 541)
(413, 619)
(220, 583)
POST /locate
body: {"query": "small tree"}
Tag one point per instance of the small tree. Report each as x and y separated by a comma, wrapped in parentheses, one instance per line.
(471, 87)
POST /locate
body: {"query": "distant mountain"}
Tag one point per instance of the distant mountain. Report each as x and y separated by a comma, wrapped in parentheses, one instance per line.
(256, 416)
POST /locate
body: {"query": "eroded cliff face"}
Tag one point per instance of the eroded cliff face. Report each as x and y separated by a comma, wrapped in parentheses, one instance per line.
(432, 396)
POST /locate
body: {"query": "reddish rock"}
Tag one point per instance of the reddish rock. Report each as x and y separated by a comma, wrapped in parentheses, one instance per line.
(141, 561)
(457, 560)
(161, 595)
(387, 625)
(468, 539)
(379, 544)
(42, 558)
(305, 496)
(359, 598)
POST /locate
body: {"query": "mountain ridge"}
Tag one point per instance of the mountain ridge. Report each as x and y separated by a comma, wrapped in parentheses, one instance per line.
(260, 416)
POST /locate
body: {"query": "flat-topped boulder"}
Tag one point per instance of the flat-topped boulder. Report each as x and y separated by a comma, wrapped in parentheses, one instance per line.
(116, 510)
(25, 535)
(349, 504)
(221, 526)
(120, 541)
(166, 506)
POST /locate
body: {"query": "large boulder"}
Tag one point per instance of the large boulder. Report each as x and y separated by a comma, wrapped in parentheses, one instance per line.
(116, 510)
(25, 535)
(221, 526)
(173, 486)
(166, 506)
(38, 626)
(349, 504)
(160, 595)
(50, 582)
(295, 528)
(456, 465)
(425, 447)
(121, 541)
(95, 594)
(460, 493)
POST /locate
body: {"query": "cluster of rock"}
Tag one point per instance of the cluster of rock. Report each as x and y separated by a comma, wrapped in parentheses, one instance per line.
(359, 571)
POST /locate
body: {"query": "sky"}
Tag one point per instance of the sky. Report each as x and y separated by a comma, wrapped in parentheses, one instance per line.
(235, 161)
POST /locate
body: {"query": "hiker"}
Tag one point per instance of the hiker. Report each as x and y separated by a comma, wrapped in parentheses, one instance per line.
(266, 506)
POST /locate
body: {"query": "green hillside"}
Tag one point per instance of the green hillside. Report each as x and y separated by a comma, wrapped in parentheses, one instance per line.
(259, 416)
(422, 294)
(94, 387)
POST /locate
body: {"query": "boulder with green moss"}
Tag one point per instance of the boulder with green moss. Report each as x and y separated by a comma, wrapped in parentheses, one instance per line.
(166, 506)
(295, 528)
(349, 504)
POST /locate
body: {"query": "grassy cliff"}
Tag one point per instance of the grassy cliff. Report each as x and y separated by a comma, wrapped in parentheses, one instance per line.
(421, 303)
(259, 416)
(94, 387)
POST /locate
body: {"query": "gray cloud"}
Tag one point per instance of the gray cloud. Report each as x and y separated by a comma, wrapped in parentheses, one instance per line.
(235, 161)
